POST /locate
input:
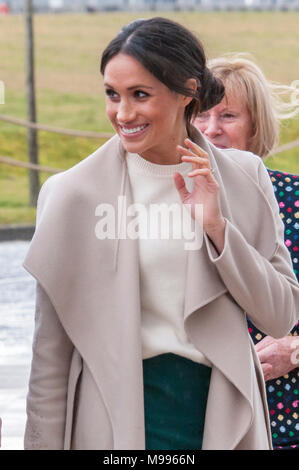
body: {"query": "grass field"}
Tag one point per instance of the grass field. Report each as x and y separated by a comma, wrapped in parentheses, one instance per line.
(69, 85)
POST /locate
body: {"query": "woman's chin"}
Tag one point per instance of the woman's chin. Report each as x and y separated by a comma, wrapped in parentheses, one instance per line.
(131, 146)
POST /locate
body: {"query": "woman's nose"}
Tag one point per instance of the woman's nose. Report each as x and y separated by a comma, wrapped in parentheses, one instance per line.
(126, 111)
(213, 127)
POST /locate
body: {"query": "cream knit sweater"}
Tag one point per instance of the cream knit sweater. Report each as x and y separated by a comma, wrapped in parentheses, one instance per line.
(162, 261)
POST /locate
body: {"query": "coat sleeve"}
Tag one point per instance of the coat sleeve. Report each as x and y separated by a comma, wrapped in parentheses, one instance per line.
(267, 290)
(47, 395)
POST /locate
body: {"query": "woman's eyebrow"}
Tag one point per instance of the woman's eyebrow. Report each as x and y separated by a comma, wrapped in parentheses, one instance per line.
(131, 87)
(140, 86)
(228, 108)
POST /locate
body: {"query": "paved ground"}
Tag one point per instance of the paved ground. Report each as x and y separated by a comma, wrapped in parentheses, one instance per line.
(17, 291)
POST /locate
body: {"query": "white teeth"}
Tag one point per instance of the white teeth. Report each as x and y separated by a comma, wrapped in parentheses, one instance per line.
(133, 130)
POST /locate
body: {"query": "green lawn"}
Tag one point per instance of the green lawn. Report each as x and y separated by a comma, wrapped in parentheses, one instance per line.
(69, 85)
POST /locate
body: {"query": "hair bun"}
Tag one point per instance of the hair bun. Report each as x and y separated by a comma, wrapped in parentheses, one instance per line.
(211, 92)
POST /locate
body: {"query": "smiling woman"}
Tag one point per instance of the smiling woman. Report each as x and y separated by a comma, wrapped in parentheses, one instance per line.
(129, 350)
(156, 91)
(144, 112)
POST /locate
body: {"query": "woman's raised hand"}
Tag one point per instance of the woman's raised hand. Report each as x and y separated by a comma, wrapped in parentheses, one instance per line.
(205, 191)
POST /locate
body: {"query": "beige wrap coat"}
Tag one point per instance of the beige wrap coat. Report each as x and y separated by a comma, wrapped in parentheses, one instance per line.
(86, 387)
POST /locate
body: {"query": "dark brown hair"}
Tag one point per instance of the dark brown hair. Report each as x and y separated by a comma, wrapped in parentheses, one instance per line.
(173, 55)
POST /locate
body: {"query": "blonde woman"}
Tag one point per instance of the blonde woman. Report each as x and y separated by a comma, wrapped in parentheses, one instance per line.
(248, 118)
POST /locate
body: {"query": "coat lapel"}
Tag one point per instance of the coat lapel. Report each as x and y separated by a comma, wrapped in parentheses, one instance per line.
(95, 292)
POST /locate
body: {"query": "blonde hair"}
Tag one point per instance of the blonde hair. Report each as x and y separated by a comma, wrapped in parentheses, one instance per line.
(264, 99)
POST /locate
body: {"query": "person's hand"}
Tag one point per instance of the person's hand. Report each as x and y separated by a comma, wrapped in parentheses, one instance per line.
(276, 356)
(205, 191)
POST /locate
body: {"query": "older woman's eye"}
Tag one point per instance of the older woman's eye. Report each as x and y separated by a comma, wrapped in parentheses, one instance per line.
(228, 116)
(203, 116)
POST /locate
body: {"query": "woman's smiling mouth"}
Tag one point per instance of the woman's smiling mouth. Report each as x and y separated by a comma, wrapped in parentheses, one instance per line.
(132, 131)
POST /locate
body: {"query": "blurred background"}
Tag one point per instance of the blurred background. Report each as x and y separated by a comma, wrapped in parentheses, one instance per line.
(68, 42)
(69, 37)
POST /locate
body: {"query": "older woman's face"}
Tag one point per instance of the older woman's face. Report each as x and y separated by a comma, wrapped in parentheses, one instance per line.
(227, 125)
(147, 116)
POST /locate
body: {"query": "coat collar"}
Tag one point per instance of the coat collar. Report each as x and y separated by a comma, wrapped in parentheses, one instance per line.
(94, 286)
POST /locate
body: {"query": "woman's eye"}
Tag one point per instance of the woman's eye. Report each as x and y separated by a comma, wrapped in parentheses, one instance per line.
(140, 94)
(203, 116)
(228, 116)
(111, 93)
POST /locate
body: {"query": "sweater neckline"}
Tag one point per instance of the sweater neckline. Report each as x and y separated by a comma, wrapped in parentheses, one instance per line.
(143, 166)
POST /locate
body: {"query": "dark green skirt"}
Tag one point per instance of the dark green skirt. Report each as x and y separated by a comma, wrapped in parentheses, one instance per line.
(175, 398)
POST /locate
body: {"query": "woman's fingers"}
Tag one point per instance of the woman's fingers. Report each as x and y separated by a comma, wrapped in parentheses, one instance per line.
(192, 150)
(268, 354)
(267, 369)
(265, 342)
(181, 186)
(198, 160)
(185, 151)
(200, 171)
(194, 154)
(196, 148)
(207, 172)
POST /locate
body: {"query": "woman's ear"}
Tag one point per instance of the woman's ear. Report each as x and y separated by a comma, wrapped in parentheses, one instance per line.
(191, 83)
